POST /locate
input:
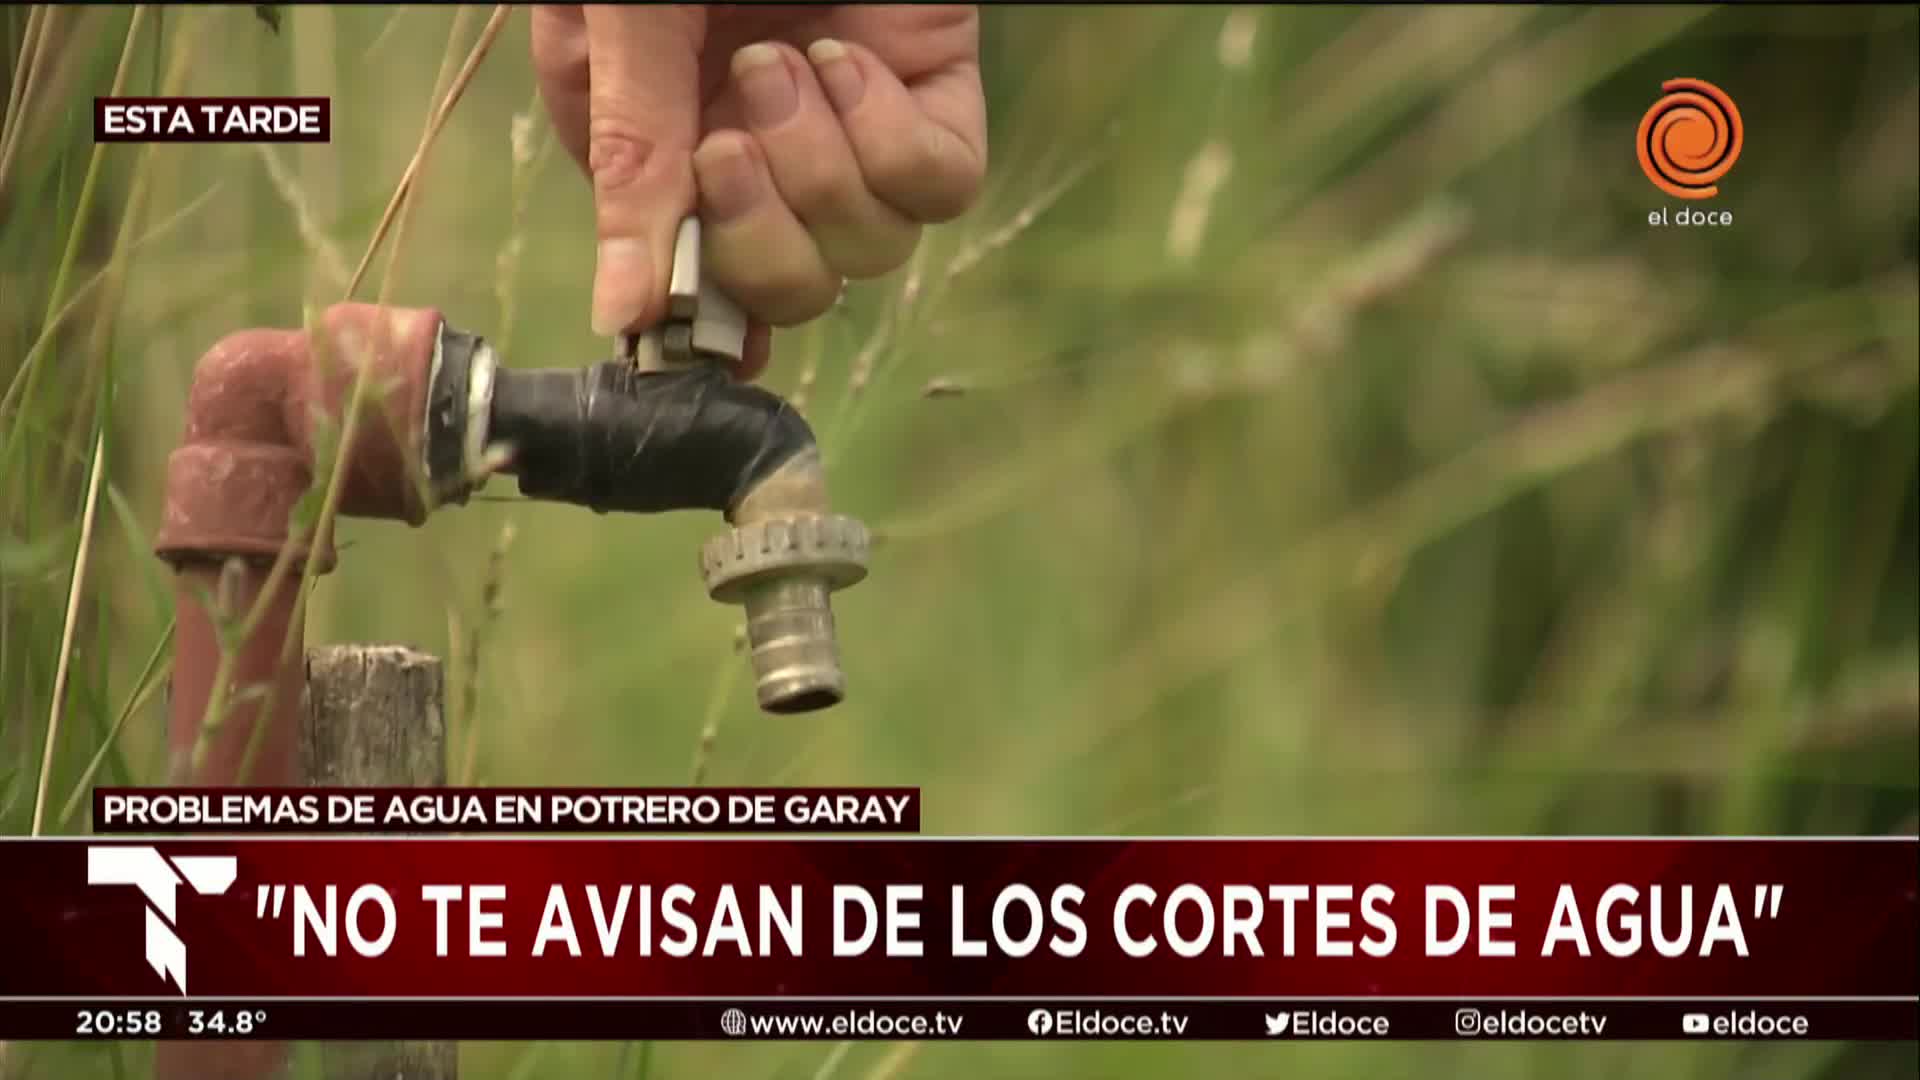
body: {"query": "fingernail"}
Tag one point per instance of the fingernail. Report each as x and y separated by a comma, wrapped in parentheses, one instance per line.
(838, 73)
(729, 182)
(622, 278)
(766, 84)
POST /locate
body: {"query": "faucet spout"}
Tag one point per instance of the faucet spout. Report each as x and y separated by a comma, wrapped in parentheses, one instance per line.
(783, 558)
(615, 438)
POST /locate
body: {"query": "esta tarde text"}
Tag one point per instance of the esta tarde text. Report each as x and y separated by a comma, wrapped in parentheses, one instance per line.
(209, 119)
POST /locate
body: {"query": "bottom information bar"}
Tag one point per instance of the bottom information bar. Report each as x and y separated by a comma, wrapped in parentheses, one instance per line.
(1173, 1018)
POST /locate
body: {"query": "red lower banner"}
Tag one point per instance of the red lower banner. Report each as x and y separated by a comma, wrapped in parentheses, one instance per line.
(391, 918)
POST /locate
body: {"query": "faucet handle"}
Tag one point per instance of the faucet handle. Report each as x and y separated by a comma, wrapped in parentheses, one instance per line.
(703, 324)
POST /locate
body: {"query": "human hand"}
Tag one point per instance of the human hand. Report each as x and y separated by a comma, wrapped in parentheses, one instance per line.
(815, 141)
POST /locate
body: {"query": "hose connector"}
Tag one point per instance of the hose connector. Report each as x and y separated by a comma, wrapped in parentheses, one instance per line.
(782, 570)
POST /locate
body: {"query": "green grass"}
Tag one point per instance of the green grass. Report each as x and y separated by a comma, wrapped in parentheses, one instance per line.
(1420, 488)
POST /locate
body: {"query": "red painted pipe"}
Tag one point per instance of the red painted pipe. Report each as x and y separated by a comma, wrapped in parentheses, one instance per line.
(260, 403)
(264, 401)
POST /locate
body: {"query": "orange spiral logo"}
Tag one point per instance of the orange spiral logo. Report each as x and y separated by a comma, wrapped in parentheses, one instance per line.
(1690, 138)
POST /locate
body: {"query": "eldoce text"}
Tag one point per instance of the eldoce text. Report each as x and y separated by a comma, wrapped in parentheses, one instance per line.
(1688, 216)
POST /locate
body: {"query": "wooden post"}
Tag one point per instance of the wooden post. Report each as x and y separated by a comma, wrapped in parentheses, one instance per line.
(376, 718)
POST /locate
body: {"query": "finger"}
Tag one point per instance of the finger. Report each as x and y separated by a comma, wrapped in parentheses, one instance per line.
(560, 69)
(755, 353)
(643, 121)
(813, 166)
(752, 244)
(922, 148)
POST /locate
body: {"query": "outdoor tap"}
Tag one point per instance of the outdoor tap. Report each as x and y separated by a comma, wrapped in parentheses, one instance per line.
(665, 426)
(786, 553)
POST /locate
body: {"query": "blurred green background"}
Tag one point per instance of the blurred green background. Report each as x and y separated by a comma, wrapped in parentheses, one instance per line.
(1306, 434)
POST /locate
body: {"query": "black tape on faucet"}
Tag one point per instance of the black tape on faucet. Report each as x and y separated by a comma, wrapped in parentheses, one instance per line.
(614, 439)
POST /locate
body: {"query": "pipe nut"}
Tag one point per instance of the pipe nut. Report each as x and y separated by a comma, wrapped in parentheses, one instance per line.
(832, 548)
(782, 571)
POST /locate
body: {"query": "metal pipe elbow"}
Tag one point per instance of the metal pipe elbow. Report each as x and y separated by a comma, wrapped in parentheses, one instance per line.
(258, 405)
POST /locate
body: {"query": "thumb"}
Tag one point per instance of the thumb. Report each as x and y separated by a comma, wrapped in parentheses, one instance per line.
(643, 122)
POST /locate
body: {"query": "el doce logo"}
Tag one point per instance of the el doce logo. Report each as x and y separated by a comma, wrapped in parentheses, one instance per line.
(1690, 138)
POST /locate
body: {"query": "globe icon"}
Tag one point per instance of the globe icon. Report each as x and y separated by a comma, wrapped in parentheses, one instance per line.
(733, 1022)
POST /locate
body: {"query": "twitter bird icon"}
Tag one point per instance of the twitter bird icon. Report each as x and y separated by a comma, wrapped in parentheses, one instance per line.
(1278, 1024)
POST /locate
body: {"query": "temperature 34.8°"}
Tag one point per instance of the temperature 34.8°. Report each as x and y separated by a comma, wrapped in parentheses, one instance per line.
(223, 1022)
